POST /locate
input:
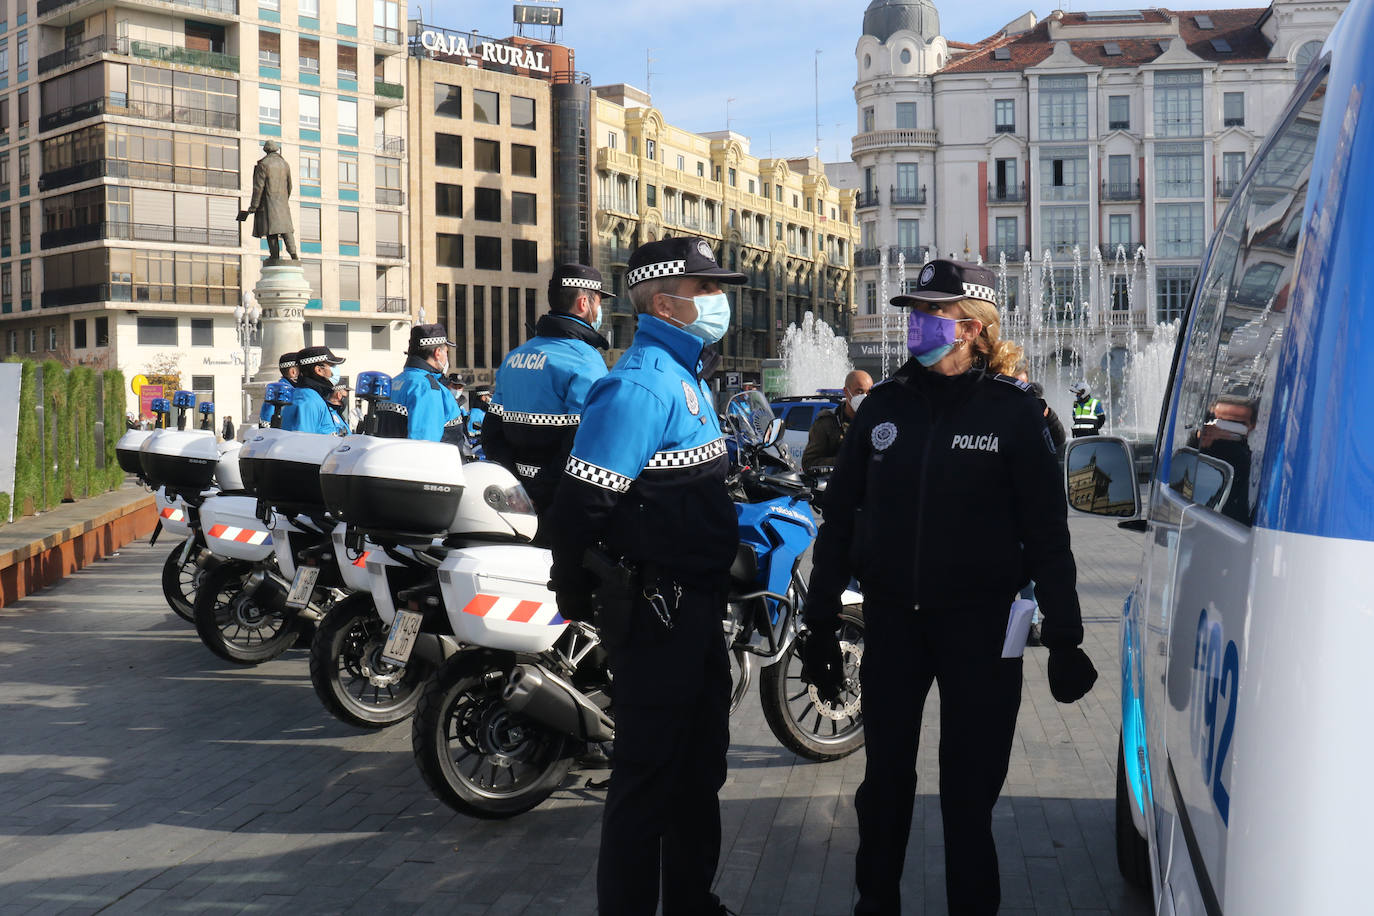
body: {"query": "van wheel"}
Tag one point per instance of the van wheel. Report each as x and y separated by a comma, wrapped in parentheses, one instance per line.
(1132, 849)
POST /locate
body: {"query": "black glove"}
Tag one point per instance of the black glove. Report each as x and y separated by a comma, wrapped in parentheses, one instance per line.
(823, 664)
(1072, 674)
(575, 604)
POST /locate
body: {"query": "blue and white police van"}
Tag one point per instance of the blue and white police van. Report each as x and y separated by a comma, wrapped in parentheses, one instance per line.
(1247, 643)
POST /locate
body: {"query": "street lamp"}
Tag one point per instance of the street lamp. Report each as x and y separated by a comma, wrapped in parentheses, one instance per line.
(246, 315)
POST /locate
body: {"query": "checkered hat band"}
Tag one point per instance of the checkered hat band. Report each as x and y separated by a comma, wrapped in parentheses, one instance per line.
(686, 458)
(597, 476)
(287, 363)
(538, 419)
(581, 283)
(974, 291)
(311, 360)
(527, 470)
(432, 341)
(654, 271)
(391, 407)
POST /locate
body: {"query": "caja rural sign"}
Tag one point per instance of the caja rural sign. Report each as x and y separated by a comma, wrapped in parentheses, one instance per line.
(495, 52)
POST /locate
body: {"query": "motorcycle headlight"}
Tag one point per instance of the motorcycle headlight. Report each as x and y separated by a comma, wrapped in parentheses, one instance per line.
(514, 499)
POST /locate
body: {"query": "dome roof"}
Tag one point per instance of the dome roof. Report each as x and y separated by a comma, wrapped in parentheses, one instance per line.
(884, 17)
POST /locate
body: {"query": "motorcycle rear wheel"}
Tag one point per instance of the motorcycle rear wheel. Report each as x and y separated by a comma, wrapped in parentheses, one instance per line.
(240, 628)
(479, 759)
(179, 580)
(791, 712)
(348, 672)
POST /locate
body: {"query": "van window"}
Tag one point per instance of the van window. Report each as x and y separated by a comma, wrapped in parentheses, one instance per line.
(1222, 425)
(799, 417)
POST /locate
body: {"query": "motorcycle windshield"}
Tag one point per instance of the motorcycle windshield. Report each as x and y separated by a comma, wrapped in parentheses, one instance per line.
(748, 416)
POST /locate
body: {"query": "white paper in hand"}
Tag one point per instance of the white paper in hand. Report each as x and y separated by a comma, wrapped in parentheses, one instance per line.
(1018, 628)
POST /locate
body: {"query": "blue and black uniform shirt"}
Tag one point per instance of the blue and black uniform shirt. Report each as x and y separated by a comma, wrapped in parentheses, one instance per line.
(308, 412)
(646, 475)
(432, 409)
(536, 403)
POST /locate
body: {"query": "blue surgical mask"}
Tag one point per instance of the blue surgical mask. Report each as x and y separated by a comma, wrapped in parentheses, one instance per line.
(713, 316)
(934, 356)
(600, 311)
(334, 377)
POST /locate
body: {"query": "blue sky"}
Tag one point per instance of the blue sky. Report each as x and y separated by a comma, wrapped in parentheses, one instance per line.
(761, 54)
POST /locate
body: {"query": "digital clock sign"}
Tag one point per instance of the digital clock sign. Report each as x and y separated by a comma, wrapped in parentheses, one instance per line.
(538, 15)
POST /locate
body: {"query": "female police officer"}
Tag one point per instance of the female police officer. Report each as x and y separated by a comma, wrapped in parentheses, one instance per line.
(944, 501)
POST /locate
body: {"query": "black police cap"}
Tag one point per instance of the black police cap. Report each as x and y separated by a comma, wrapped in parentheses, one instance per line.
(687, 256)
(287, 361)
(949, 281)
(427, 337)
(312, 356)
(578, 277)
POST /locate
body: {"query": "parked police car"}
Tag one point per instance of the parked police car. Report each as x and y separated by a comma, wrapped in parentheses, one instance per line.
(1248, 639)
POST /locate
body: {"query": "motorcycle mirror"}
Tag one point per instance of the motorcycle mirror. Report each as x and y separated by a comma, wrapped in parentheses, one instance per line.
(774, 434)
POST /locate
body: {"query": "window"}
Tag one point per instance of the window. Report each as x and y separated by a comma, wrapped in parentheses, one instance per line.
(1178, 103)
(753, 186)
(381, 339)
(348, 116)
(1178, 170)
(1173, 289)
(522, 113)
(269, 48)
(734, 178)
(1233, 109)
(349, 282)
(486, 204)
(1121, 292)
(448, 249)
(486, 155)
(310, 224)
(1301, 59)
(13, 343)
(1063, 229)
(22, 51)
(348, 228)
(524, 256)
(612, 141)
(523, 208)
(448, 200)
(1064, 107)
(908, 237)
(682, 163)
(1064, 174)
(1004, 175)
(52, 338)
(314, 276)
(269, 105)
(348, 170)
(486, 106)
(157, 332)
(906, 115)
(522, 160)
(1119, 233)
(448, 150)
(33, 340)
(650, 149)
(448, 100)
(4, 56)
(202, 332)
(26, 279)
(867, 121)
(908, 182)
(1232, 170)
(347, 61)
(1179, 229)
(701, 170)
(870, 298)
(310, 166)
(23, 105)
(1119, 112)
(308, 55)
(79, 341)
(310, 111)
(25, 224)
(1004, 116)
(1008, 240)
(23, 165)
(486, 252)
(336, 335)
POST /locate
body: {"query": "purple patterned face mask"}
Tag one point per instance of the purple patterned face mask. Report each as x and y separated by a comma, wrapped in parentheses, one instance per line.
(929, 337)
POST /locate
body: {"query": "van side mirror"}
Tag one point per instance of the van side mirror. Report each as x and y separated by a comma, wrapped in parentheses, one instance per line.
(1099, 477)
(774, 433)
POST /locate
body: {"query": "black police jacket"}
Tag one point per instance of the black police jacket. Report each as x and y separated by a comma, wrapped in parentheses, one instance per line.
(947, 494)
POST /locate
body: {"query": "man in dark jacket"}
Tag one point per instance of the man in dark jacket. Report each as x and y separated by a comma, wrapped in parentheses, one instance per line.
(827, 430)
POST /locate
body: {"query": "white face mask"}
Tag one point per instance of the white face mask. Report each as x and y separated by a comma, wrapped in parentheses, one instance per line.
(856, 400)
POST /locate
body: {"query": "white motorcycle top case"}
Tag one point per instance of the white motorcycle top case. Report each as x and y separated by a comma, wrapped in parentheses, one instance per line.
(407, 486)
(126, 450)
(181, 460)
(287, 477)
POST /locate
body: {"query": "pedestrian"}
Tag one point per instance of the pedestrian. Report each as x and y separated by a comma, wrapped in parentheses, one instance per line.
(431, 410)
(541, 386)
(1088, 413)
(946, 498)
(309, 410)
(646, 481)
(828, 429)
(1052, 421)
(227, 430)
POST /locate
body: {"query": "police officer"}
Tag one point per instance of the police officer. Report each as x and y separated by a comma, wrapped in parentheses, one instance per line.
(646, 478)
(290, 371)
(309, 410)
(542, 385)
(420, 388)
(1088, 415)
(945, 499)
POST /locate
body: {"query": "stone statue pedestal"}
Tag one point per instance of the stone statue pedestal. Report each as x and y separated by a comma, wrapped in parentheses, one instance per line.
(282, 294)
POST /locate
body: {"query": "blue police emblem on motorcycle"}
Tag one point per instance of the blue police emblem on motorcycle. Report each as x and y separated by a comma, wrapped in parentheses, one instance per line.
(884, 434)
(692, 404)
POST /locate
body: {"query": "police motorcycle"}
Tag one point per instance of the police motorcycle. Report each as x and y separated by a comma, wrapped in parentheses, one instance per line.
(763, 620)
(278, 573)
(184, 468)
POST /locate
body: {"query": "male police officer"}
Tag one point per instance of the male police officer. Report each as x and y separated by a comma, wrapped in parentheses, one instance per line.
(646, 478)
(309, 410)
(1088, 415)
(290, 371)
(432, 410)
(541, 386)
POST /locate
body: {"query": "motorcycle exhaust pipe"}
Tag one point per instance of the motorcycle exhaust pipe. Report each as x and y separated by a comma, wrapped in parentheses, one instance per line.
(551, 701)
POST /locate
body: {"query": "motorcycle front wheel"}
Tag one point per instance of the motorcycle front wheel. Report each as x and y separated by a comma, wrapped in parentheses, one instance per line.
(179, 580)
(348, 672)
(478, 758)
(798, 719)
(246, 629)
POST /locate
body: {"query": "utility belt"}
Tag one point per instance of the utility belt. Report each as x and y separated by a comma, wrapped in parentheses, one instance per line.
(625, 585)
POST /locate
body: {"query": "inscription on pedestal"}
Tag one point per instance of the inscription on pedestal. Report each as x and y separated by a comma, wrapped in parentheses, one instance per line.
(283, 313)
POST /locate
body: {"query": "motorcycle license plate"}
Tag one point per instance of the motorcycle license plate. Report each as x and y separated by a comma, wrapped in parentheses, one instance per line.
(401, 640)
(302, 586)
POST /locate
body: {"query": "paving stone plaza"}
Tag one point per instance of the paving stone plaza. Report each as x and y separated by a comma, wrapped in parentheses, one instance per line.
(140, 774)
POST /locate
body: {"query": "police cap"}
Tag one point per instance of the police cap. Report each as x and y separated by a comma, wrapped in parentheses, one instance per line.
(426, 337)
(687, 256)
(312, 356)
(578, 277)
(287, 361)
(949, 281)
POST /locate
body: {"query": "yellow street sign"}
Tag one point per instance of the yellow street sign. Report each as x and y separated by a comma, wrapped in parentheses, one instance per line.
(138, 382)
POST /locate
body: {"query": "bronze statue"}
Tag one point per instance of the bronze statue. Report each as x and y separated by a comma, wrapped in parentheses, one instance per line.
(270, 203)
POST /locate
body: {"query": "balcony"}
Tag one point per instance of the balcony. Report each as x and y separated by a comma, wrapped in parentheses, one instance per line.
(389, 95)
(391, 250)
(895, 321)
(168, 294)
(223, 7)
(908, 196)
(170, 54)
(1109, 250)
(392, 305)
(143, 232)
(1226, 187)
(866, 199)
(1007, 194)
(1121, 190)
(614, 160)
(391, 146)
(921, 138)
(616, 204)
(142, 171)
(391, 197)
(153, 111)
(992, 254)
(385, 35)
(78, 52)
(867, 257)
(908, 255)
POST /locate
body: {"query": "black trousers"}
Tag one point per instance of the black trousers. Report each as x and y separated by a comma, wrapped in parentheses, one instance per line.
(980, 693)
(672, 709)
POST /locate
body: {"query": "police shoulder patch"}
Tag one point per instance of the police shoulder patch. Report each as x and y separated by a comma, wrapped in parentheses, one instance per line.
(884, 434)
(693, 405)
(1012, 381)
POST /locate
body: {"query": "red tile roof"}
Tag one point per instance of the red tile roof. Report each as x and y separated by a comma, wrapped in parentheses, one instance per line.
(1238, 27)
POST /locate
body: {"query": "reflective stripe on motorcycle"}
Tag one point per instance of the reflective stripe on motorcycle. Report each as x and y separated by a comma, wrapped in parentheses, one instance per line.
(241, 535)
(514, 610)
(172, 513)
(361, 562)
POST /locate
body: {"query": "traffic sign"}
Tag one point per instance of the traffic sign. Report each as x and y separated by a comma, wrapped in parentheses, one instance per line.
(138, 382)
